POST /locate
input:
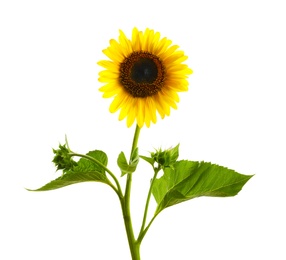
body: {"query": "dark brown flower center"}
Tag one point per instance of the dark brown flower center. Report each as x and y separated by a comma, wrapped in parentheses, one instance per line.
(142, 74)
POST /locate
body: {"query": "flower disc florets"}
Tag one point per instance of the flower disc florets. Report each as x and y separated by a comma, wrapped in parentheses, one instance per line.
(142, 74)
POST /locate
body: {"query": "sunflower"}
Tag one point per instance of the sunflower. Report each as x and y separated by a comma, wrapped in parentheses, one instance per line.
(144, 76)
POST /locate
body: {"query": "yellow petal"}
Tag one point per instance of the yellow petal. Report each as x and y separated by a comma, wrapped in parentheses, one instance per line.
(167, 52)
(177, 57)
(162, 46)
(145, 40)
(130, 119)
(125, 109)
(125, 44)
(151, 109)
(108, 74)
(113, 56)
(155, 42)
(131, 114)
(111, 92)
(140, 112)
(178, 86)
(168, 100)
(109, 87)
(117, 101)
(106, 80)
(136, 45)
(117, 49)
(150, 41)
(159, 106)
(165, 103)
(171, 67)
(109, 65)
(173, 95)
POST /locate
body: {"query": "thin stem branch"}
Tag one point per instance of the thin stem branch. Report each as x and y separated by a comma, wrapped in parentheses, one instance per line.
(156, 170)
(143, 233)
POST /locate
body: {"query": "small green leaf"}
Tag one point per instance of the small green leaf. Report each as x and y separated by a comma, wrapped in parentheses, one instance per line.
(126, 167)
(148, 159)
(85, 170)
(188, 180)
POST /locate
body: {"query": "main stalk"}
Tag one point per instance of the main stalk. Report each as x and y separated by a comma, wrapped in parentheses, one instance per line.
(125, 204)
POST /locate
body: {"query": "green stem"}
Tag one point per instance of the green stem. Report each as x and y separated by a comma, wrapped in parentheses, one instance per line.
(156, 170)
(133, 245)
(135, 139)
(143, 233)
(125, 204)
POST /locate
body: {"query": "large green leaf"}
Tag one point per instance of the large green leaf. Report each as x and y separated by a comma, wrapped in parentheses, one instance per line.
(85, 170)
(188, 180)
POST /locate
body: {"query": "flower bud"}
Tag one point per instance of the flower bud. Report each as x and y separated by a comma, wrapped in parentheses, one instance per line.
(63, 159)
(166, 158)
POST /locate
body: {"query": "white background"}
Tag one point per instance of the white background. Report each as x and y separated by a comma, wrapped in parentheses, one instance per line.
(233, 115)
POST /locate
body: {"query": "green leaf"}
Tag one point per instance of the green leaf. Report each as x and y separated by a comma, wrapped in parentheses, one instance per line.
(126, 167)
(187, 180)
(148, 159)
(85, 170)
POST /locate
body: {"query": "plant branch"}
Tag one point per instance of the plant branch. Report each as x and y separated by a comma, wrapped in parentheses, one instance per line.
(118, 190)
(143, 233)
(156, 170)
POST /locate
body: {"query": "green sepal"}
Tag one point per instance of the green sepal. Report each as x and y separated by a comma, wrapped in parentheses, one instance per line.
(148, 159)
(126, 167)
(188, 180)
(84, 171)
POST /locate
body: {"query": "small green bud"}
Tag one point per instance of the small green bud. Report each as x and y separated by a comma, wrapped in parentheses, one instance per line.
(63, 159)
(166, 158)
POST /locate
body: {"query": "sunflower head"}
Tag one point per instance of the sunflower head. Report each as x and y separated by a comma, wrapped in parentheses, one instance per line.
(144, 75)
